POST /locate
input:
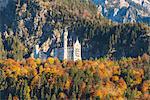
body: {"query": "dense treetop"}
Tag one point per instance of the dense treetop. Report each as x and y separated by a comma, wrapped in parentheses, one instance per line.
(128, 78)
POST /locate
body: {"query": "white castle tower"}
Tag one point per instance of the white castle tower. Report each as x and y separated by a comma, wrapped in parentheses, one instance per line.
(65, 44)
(77, 51)
(36, 51)
(71, 52)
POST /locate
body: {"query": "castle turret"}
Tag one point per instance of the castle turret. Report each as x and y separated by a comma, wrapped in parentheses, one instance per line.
(77, 51)
(36, 51)
(65, 44)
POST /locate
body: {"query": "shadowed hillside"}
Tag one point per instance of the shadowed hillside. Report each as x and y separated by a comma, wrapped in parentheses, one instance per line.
(26, 23)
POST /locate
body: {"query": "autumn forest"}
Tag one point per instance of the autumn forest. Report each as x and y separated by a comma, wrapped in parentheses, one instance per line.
(127, 78)
(117, 66)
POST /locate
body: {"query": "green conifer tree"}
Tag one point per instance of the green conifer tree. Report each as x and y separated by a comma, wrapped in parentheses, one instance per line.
(18, 50)
(10, 97)
(54, 97)
(48, 97)
(26, 92)
(42, 94)
(2, 51)
(35, 97)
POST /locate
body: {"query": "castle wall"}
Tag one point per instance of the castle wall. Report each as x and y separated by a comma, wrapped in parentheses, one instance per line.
(59, 53)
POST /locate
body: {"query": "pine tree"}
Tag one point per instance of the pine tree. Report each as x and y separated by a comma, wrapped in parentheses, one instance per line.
(42, 94)
(74, 96)
(26, 92)
(21, 92)
(48, 97)
(2, 51)
(18, 49)
(35, 97)
(148, 45)
(10, 97)
(54, 97)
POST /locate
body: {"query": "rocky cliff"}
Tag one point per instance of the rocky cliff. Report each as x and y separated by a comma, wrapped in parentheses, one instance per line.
(125, 10)
(25, 23)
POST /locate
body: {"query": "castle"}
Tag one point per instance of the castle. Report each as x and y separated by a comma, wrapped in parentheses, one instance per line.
(64, 52)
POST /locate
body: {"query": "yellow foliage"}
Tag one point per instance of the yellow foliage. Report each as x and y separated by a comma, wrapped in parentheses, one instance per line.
(50, 61)
(61, 95)
(34, 71)
(119, 98)
(67, 85)
(115, 78)
(46, 65)
(109, 63)
(54, 70)
(38, 61)
(116, 70)
(27, 91)
(41, 69)
(138, 94)
(79, 64)
(24, 71)
(112, 82)
(138, 74)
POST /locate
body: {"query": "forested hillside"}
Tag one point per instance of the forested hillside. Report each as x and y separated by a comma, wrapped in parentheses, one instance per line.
(128, 78)
(123, 72)
(25, 23)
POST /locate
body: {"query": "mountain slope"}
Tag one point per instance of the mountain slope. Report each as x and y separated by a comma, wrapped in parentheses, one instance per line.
(27, 23)
(125, 10)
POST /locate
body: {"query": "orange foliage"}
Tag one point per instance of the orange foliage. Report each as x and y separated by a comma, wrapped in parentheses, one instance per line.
(109, 73)
(110, 88)
(35, 81)
(146, 86)
(31, 62)
(15, 98)
(115, 78)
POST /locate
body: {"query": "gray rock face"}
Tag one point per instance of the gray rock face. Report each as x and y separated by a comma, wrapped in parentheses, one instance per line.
(4, 3)
(125, 10)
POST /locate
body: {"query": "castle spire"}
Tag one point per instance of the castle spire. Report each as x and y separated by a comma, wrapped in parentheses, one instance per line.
(65, 44)
(77, 50)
